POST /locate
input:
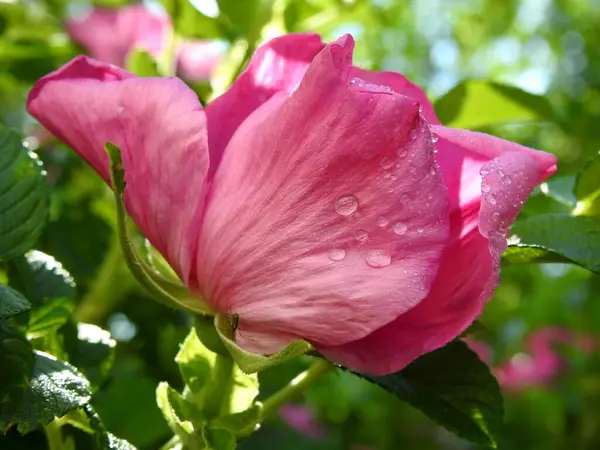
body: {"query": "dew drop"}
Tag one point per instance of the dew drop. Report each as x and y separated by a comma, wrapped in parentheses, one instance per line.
(506, 180)
(432, 170)
(361, 235)
(491, 199)
(337, 254)
(484, 172)
(382, 221)
(413, 135)
(485, 187)
(420, 230)
(496, 217)
(394, 177)
(399, 228)
(387, 175)
(386, 162)
(346, 205)
(378, 258)
(434, 138)
(402, 152)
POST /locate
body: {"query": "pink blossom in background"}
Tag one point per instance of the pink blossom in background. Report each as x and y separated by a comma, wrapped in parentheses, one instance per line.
(196, 60)
(317, 200)
(303, 420)
(109, 34)
(540, 363)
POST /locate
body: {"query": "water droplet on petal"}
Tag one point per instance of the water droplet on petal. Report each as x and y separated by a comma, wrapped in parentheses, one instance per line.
(386, 163)
(484, 172)
(378, 258)
(434, 138)
(413, 135)
(399, 228)
(485, 187)
(337, 254)
(432, 170)
(394, 177)
(402, 152)
(361, 235)
(420, 230)
(496, 217)
(491, 199)
(382, 221)
(506, 180)
(346, 205)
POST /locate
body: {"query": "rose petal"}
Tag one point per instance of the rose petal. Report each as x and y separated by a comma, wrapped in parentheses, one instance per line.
(469, 269)
(300, 184)
(276, 66)
(161, 129)
(109, 34)
(402, 85)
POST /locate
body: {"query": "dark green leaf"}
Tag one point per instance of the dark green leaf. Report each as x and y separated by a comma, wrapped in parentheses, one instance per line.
(220, 439)
(556, 238)
(16, 365)
(587, 188)
(477, 103)
(561, 189)
(56, 388)
(90, 348)
(11, 302)
(23, 202)
(454, 388)
(49, 287)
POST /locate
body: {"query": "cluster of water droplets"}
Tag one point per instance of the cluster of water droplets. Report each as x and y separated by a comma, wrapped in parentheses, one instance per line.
(500, 190)
(362, 85)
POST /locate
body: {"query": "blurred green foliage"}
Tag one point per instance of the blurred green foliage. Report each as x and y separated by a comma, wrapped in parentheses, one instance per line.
(463, 52)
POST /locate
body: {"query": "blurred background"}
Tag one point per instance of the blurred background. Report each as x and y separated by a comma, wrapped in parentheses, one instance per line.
(541, 328)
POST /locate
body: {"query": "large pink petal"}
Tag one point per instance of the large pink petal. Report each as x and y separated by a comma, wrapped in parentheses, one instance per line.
(402, 85)
(109, 34)
(276, 66)
(196, 60)
(469, 269)
(161, 129)
(327, 216)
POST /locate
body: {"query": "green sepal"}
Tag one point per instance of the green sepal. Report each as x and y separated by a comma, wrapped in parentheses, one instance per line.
(239, 424)
(166, 291)
(183, 417)
(250, 362)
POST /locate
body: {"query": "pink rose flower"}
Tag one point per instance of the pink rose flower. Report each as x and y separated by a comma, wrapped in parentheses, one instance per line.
(109, 34)
(303, 420)
(309, 198)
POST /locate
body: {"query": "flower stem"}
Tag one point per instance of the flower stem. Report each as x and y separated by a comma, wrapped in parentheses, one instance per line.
(218, 401)
(298, 385)
(111, 285)
(53, 436)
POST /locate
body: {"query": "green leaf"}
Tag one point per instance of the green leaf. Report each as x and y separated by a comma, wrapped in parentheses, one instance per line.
(90, 348)
(587, 189)
(16, 365)
(454, 389)
(561, 189)
(56, 388)
(195, 362)
(23, 200)
(183, 417)
(477, 103)
(49, 287)
(190, 22)
(49, 317)
(220, 439)
(250, 362)
(239, 424)
(141, 63)
(556, 238)
(111, 442)
(11, 302)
